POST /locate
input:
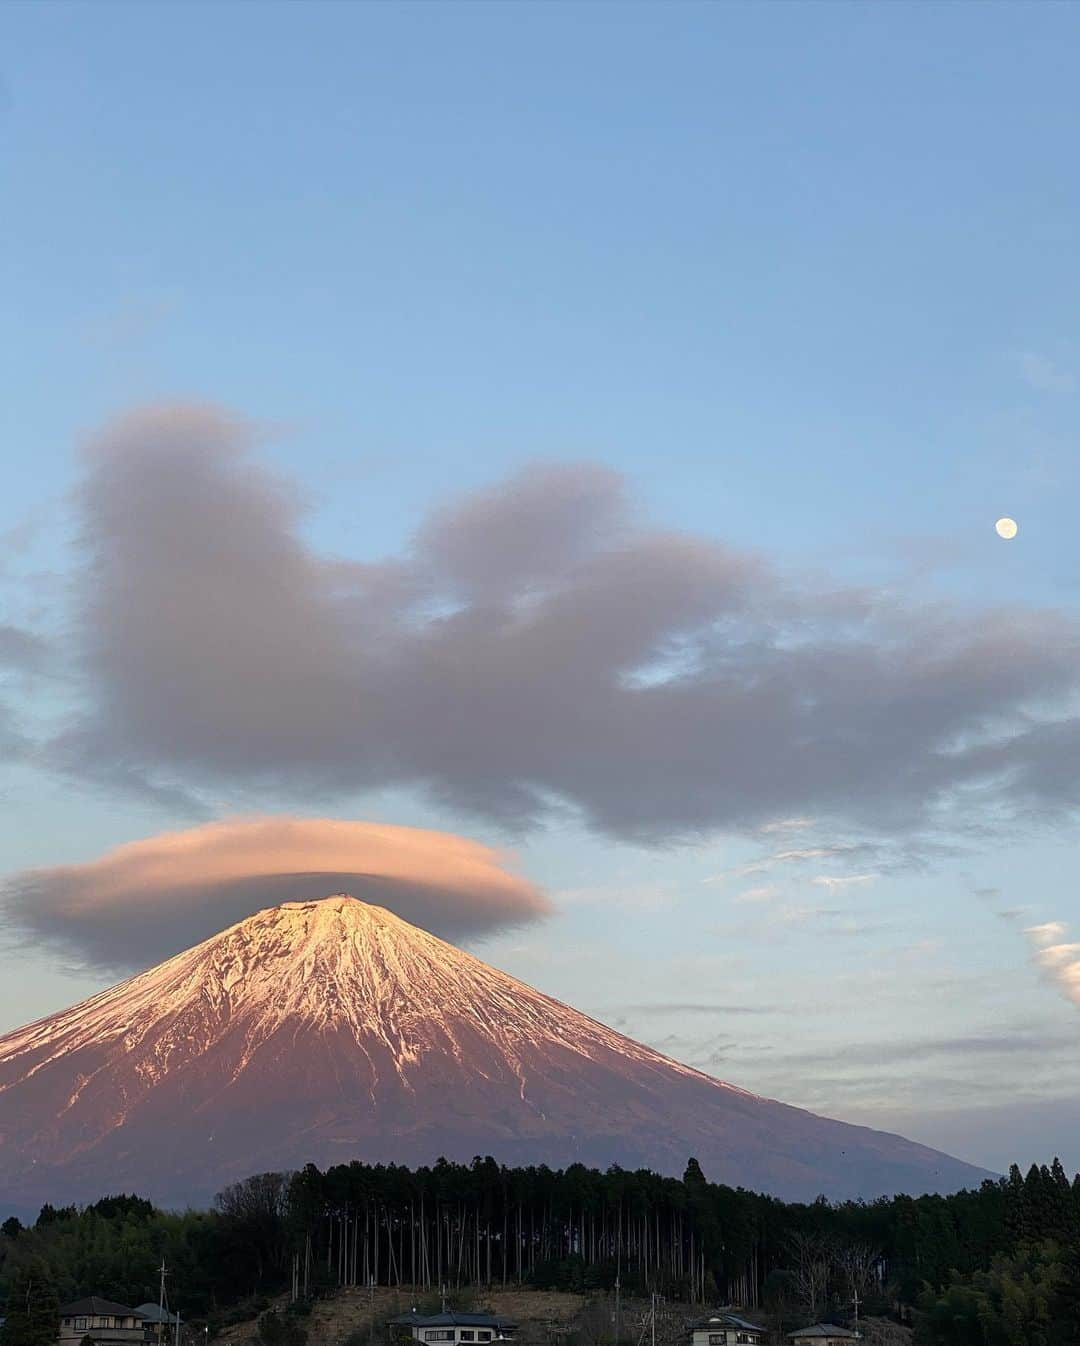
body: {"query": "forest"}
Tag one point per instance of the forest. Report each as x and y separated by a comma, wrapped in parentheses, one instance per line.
(1000, 1264)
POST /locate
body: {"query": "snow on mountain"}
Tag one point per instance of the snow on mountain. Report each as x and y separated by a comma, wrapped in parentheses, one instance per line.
(333, 1030)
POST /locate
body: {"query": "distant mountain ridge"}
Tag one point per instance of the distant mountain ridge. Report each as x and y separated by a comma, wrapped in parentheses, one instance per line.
(332, 1030)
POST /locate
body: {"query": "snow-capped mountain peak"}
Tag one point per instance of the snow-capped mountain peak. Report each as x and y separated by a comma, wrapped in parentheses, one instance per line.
(331, 1030)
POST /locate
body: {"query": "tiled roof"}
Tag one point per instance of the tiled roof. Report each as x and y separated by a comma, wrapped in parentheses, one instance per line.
(93, 1307)
(727, 1320)
(153, 1313)
(821, 1330)
(453, 1320)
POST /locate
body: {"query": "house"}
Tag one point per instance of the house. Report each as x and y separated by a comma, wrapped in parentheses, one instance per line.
(727, 1329)
(452, 1329)
(158, 1323)
(100, 1320)
(822, 1334)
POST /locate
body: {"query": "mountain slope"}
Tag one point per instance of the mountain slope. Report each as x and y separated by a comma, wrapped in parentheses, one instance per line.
(332, 1030)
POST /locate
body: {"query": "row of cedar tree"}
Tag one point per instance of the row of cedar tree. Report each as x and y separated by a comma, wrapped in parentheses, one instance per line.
(1000, 1264)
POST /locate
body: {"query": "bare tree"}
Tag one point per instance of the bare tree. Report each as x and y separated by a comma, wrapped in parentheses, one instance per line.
(813, 1258)
(858, 1264)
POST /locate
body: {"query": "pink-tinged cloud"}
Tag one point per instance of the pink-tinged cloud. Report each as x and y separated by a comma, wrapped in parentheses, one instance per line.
(145, 900)
(1058, 958)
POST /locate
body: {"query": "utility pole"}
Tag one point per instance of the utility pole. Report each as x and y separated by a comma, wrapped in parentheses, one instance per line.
(618, 1306)
(857, 1302)
(161, 1305)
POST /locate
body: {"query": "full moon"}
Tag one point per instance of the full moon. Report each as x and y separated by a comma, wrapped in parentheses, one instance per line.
(1006, 527)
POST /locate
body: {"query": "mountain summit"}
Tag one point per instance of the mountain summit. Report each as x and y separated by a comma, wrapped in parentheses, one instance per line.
(333, 1030)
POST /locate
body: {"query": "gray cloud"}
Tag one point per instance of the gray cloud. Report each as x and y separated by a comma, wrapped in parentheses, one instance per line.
(21, 651)
(975, 1047)
(539, 647)
(16, 540)
(148, 899)
(14, 746)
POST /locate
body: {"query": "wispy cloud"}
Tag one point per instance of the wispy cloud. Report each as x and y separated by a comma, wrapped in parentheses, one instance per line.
(764, 893)
(1058, 958)
(1046, 934)
(842, 880)
(830, 920)
(973, 1047)
(1043, 374)
(796, 856)
(639, 896)
(775, 918)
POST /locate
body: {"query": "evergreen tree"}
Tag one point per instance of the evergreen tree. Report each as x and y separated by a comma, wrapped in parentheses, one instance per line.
(1068, 1293)
(33, 1317)
(1015, 1205)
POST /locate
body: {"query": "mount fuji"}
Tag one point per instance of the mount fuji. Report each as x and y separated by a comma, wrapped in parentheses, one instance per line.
(332, 1030)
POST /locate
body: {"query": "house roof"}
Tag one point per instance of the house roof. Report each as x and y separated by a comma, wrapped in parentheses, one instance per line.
(453, 1320)
(153, 1313)
(727, 1320)
(821, 1330)
(93, 1307)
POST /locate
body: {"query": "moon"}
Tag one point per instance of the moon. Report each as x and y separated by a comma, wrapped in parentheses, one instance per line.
(1006, 528)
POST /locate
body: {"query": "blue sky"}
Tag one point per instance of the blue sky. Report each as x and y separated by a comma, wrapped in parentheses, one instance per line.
(805, 276)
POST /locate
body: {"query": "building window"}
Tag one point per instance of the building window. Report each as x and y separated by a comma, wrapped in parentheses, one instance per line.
(438, 1336)
(466, 1334)
(717, 1339)
(483, 1336)
(80, 1324)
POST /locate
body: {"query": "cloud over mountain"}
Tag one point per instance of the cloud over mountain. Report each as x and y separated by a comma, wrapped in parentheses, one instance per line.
(537, 645)
(148, 899)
